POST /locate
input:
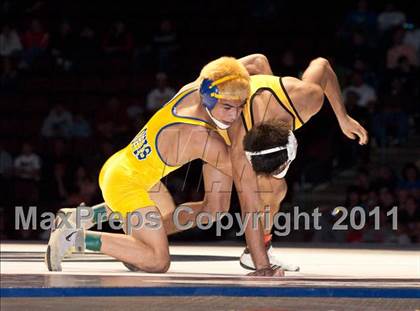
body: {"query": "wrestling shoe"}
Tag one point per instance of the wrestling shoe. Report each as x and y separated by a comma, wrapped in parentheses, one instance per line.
(62, 242)
(70, 214)
(247, 263)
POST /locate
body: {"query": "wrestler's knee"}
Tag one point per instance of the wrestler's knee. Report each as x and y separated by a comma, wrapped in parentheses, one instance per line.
(160, 263)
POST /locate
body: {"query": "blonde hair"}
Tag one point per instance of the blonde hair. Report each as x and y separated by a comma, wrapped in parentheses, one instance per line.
(228, 66)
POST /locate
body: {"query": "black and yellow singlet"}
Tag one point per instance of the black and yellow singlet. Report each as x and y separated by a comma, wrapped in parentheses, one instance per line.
(275, 86)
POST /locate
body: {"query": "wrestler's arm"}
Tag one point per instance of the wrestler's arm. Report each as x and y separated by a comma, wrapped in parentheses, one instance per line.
(215, 152)
(256, 64)
(207, 145)
(308, 94)
(246, 185)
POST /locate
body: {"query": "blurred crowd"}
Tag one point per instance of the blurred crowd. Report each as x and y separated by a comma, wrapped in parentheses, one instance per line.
(396, 200)
(75, 87)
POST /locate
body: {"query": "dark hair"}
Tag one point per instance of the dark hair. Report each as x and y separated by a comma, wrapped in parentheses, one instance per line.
(270, 134)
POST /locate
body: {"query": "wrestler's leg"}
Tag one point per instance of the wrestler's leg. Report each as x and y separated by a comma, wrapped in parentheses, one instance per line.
(145, 238)
(148, 244)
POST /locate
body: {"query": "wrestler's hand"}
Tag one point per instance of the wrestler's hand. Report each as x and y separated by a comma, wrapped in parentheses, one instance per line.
(352, 129)
(269, 271)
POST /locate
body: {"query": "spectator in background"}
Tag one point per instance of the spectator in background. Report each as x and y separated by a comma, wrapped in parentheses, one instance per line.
(366, 69)
(409, 218)
(135, 110)
(412, 37)
(10, 51)
(362, 181)
(84, 188)
(9, 77)
(58, 123)
(160, 95)
(366, 93)
(35, 41)
(408, 77)
(390, 120)
(27, 167)
(385, 234)
(87, 192)
(80, 127)
(118, 41)
(410, 180)
(112, 122)
(79, 175)
(118, 45)
(28, 164)
(37, 8)
(385, 178)
(402, 196)
(360, 47)
(361, 17)
(56, 183)
(62, 46)
(58, 152)
(326, 222)
(165, 44)
(351, 100)
(10, 44)
(400, 49)
(353, 197)
(372, 199)
(390, 17)
(387, 199)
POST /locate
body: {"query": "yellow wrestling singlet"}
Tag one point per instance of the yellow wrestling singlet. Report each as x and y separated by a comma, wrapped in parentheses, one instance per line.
(127, 175)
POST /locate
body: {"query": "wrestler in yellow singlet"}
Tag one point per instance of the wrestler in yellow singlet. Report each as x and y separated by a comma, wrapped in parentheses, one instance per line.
(127, 176)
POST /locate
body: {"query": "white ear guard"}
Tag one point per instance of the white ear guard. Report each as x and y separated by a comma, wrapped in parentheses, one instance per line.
(291, 153)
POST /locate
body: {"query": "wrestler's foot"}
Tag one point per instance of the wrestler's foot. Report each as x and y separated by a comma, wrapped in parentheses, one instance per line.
(62, 241)
(70, 215)
(247, 263)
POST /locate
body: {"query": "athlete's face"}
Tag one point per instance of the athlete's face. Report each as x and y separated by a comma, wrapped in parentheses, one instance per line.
(227, 111)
